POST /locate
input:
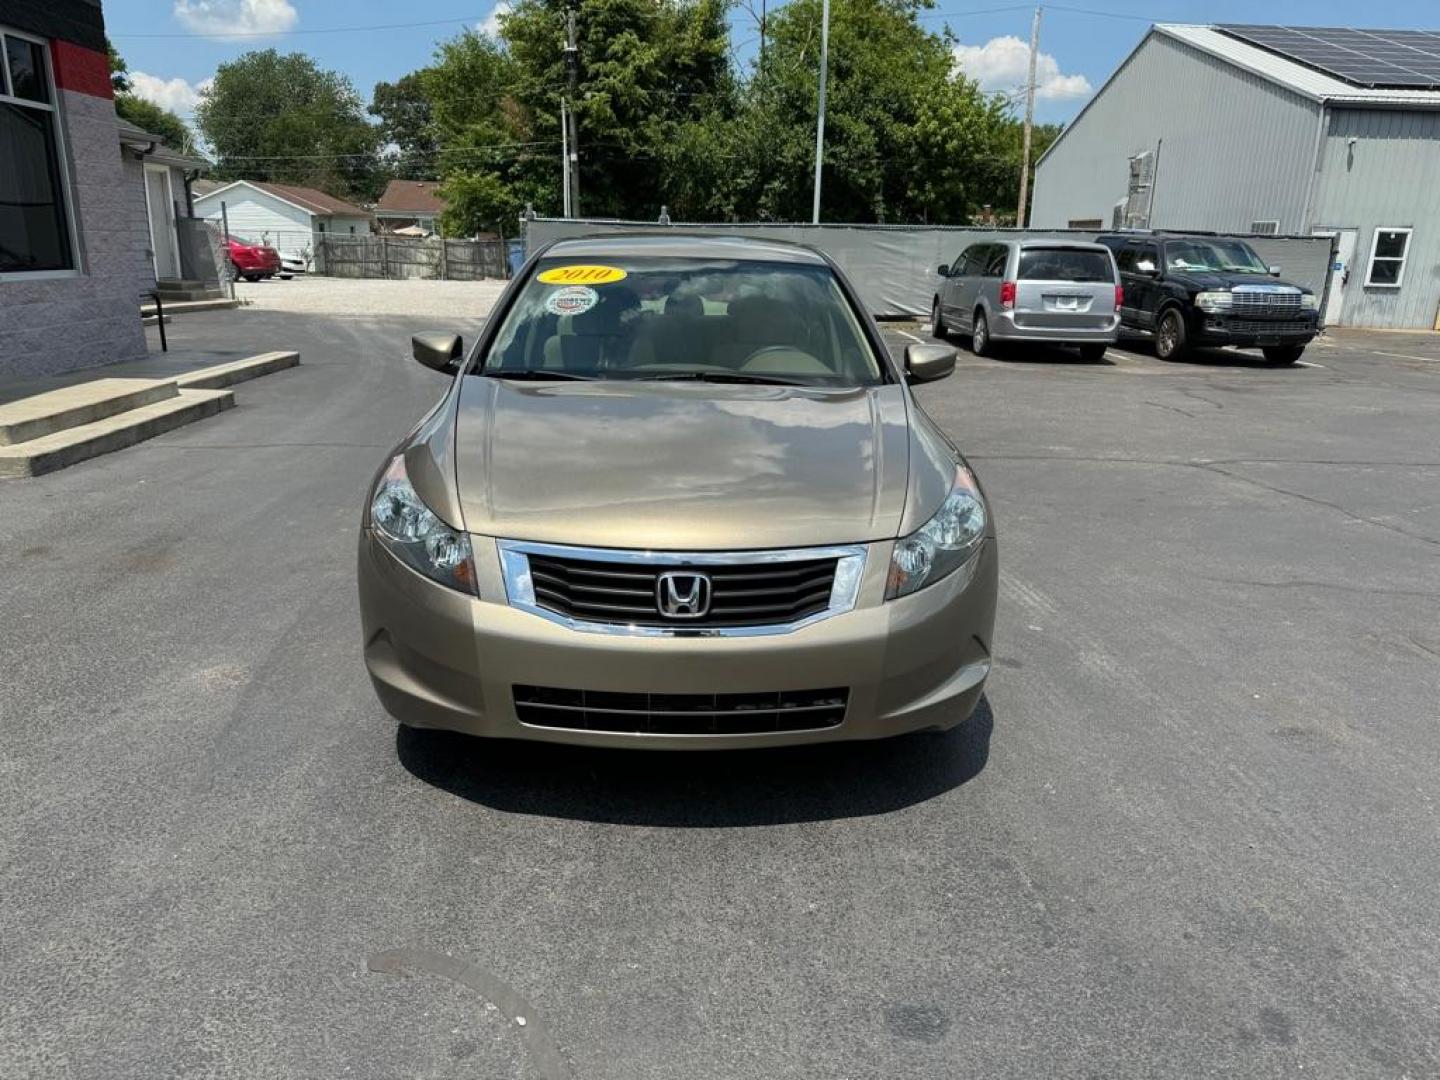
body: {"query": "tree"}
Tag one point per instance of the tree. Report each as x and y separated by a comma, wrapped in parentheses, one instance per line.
(284, 118)
(406, 124)
(156, 120)
(907, 138)
(119, 70)
(144, 114)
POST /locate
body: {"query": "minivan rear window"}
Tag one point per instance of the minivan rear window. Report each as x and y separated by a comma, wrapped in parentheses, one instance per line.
(1064, 264)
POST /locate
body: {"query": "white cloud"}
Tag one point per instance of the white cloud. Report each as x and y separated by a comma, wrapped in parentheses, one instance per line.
(222, 18)
(1003, 63)
(491, 23)
(177, 95)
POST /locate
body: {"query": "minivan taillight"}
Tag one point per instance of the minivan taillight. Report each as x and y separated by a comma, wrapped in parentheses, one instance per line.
(1007, 294)
(1119, 297)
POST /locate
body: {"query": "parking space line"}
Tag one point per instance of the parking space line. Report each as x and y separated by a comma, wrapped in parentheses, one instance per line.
(912, 337)
(1407, 356)
(1307, 363)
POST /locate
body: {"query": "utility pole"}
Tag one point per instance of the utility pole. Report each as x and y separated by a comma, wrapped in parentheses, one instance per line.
(572, 69)
(564, 158)
(1022, 212)
(762, 35)
(820, 120)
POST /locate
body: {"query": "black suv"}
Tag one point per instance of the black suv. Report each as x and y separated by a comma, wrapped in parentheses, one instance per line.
(1185, 289)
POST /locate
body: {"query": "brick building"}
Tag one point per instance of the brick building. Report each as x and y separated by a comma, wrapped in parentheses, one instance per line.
(75, 246)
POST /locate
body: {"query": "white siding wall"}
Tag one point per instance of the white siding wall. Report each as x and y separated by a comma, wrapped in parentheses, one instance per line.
(342, 226)
(1237, 148)
(253, 214)
(1389, 179)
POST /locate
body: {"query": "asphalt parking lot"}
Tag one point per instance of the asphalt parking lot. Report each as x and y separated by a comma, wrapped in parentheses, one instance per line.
(1192, 832)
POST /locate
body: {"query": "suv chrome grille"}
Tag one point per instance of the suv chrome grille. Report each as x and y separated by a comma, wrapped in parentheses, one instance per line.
(1252, 301)
(626, 593)
(680, 714)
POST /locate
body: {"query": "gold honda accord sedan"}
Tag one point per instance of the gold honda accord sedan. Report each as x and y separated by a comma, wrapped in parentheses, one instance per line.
(678, 495)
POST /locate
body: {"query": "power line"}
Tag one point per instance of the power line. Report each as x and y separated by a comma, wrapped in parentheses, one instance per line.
(314, 30)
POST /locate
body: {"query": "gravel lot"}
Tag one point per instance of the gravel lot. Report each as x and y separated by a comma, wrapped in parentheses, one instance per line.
(346, 297)
(1193, 831)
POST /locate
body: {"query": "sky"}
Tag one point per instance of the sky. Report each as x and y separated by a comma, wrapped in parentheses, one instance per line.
(173, 46)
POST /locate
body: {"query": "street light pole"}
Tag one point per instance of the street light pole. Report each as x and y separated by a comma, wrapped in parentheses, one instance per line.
(1022, 213)
(820, 119)
(572, 67)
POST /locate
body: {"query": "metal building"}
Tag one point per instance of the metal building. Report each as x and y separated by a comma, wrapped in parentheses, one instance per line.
(1260, 129)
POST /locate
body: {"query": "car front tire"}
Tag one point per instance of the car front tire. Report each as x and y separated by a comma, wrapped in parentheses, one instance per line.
(1171, 338)
(1282, 355)
(937, 321)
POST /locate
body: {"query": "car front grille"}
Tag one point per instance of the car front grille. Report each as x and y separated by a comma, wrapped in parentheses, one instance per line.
(1264, 302)
(1269, 326)
(627, 593)
(680, 714)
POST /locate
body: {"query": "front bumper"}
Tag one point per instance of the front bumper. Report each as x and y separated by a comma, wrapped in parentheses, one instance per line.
(440, 659)
(1245, 333)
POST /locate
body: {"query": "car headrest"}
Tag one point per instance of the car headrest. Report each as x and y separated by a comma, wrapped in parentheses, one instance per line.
(686, 305)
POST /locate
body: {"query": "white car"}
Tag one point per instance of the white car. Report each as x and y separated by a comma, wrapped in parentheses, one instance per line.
(293, 263)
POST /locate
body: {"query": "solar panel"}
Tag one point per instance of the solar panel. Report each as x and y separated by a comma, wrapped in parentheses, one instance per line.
(1378, 59)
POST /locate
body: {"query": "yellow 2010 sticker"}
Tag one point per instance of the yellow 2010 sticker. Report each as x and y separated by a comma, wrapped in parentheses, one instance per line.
(582, 275)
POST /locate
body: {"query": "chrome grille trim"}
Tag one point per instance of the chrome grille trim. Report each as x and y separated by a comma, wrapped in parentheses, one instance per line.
(520, 584)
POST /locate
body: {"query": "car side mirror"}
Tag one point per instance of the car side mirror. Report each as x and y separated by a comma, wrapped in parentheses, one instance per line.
(944, 270)
(438, 350)
(926, 363)
(1274, 271)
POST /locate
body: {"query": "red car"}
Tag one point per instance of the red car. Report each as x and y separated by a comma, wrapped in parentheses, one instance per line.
(253, 261)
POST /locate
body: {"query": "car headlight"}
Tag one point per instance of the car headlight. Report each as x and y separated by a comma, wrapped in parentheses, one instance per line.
(1309, 301)
(411, 532)
(943, 544)
(1214, 301)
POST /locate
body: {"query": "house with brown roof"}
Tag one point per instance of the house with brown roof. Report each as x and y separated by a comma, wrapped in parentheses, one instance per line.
(410, 204)
(285, 216)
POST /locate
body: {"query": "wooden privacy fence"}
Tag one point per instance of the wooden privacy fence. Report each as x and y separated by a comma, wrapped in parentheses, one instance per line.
(429, 257)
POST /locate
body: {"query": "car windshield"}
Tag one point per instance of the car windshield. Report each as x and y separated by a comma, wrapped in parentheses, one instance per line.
(1235, 256)
(1064, 264)
(696, 319)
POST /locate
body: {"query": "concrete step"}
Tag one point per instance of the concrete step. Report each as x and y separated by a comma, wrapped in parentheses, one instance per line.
(71, 406)
(252, 367)
(204, 301)
(181, 296)
(56, 451)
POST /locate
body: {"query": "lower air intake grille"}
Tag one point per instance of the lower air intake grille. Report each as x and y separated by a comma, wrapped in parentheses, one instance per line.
(680, 714)
(1269, 326)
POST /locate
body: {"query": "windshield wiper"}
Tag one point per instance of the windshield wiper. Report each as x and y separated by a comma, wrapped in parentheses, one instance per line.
(720, 377)
(534, 375)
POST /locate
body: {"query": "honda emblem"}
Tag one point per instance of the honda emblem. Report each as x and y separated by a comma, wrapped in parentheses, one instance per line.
(682, 594)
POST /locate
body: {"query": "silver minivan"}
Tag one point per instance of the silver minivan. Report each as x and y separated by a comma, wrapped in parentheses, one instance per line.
(1059, 292)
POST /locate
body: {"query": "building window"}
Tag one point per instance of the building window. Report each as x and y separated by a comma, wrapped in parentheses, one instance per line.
(34, 221)
(1086, 223)
(1387, 258)
(1265, 228)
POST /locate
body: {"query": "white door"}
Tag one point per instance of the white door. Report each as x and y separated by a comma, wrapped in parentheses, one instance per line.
(160, 207)
(1339, 270)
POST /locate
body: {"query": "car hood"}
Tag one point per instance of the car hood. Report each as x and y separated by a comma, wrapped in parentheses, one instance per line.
(682, 466)
(1200, 280)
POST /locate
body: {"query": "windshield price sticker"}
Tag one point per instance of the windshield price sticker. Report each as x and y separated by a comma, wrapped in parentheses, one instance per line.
(571, 300)
(582, 275)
